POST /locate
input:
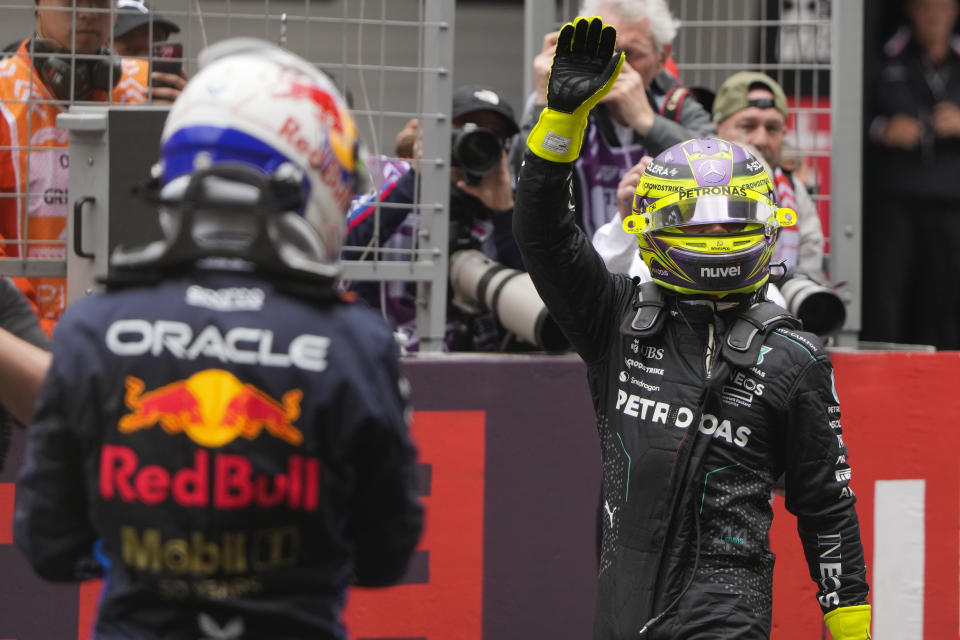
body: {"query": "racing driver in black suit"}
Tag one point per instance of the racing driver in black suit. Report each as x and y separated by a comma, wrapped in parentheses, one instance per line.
(705, 393)
(221, 434)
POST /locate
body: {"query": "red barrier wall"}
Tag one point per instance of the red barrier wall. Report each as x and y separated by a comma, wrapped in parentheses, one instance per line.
(900, 419)
(510, 450)
(901, 413)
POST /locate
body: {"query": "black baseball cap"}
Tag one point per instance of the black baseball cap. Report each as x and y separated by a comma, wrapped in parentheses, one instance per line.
(136, 13)
(476, 97)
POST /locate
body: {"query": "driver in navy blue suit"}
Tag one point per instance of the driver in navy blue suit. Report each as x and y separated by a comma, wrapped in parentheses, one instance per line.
(222, 435)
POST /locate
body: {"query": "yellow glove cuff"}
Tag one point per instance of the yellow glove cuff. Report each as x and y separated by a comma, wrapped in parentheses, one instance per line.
(557, 136)
(849, 623)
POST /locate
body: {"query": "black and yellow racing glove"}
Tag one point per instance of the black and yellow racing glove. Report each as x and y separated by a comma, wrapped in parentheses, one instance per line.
(585, 66)
(849, 623)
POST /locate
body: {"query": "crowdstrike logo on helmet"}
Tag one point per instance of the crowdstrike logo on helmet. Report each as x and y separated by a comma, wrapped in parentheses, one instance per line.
(760, 186)
(711, 229)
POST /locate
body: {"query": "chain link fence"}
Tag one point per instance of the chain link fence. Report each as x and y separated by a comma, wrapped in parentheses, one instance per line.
(395, 60)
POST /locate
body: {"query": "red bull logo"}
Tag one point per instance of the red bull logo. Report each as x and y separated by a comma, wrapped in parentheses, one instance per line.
(222, 480)
(340, 128)
(327, 108)
(212, 408)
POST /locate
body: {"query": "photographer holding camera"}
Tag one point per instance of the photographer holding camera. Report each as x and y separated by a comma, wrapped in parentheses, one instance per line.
(481, 217)
(142, 33)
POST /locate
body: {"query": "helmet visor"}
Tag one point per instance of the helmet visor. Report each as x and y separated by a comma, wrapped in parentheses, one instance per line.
(708, 209)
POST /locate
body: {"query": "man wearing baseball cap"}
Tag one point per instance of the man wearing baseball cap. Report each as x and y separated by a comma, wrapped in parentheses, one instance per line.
(136, 34)
(751, 108)
(66, 60)
(470, 100)
(759, 99)
(137, 28)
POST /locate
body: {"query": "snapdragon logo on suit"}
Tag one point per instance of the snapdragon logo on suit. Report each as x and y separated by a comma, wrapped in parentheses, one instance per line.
(626, 377)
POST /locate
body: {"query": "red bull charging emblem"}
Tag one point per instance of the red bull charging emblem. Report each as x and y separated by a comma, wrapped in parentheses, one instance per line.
(340, 129)
(327, 109)
(212, 407)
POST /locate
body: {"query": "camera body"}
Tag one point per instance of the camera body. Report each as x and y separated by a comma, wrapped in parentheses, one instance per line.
(475, 149)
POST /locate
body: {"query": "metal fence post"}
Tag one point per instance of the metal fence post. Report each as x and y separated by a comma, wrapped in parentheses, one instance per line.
(846, 124)
(538, 20)
(438, 38)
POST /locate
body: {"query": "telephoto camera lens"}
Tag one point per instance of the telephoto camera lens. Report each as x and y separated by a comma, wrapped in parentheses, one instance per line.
(820, 308)
(480, 283)
(476, 149)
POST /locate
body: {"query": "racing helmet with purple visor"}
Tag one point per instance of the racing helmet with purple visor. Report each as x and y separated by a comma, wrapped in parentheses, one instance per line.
(683, 195)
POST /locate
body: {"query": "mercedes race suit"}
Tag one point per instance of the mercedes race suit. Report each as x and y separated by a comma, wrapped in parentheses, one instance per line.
(692, 445)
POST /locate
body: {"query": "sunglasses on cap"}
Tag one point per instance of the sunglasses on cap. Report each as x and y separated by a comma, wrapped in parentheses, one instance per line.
(762, 103)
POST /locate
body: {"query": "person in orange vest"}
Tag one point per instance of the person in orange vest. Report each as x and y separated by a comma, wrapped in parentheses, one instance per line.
(65, 62)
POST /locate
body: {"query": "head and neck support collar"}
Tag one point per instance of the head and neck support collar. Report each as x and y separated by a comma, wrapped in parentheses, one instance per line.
(747, 333)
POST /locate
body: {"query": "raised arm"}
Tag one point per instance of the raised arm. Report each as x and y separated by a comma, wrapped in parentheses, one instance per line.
(569, 275)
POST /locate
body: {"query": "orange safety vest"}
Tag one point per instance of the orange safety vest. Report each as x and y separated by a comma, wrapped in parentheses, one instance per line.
(35, 162)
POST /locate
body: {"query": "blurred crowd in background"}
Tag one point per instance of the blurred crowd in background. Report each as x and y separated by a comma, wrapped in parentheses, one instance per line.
(911, 143)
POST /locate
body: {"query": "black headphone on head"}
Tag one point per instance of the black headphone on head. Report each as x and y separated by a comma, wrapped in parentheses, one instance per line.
(60, 70)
